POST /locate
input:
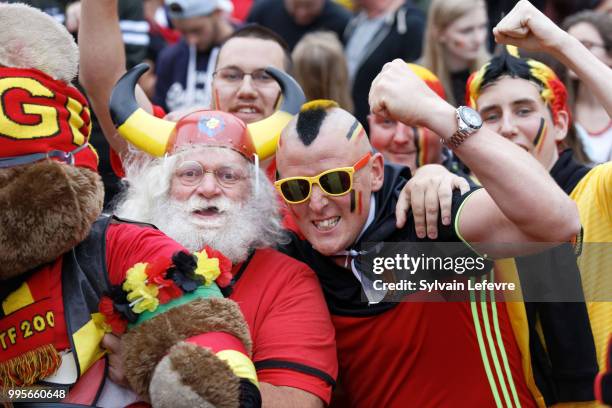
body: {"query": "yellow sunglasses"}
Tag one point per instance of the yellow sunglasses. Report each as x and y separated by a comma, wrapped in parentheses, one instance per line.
(334, 182)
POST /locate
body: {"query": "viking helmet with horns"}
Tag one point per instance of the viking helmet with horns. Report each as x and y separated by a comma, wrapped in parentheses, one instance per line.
(158, 136)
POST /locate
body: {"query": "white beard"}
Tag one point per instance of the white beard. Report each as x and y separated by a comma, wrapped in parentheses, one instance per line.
(232, 231)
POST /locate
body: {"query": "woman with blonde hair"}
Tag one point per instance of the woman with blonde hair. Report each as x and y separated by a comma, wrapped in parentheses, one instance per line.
(455, 43)
(320, 68)
(593, 123)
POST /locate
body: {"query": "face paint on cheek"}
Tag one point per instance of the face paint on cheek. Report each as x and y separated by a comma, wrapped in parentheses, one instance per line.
(458, 43)
(353, 201)
(359, 203)
(538, 142)
(216, 98)
(420, 145)
(354, 130)
(360, 135)
(293, 212)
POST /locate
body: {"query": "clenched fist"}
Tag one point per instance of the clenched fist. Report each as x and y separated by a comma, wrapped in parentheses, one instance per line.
(527, 27)
(397, 93)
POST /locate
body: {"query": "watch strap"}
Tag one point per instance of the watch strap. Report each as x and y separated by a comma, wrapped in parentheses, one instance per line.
(456, 139)
(462, 133)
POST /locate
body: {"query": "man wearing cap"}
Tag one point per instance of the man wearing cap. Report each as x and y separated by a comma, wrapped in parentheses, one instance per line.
(342, 197)
(184, 70)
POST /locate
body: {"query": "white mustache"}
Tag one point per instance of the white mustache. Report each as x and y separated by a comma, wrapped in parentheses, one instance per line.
(222, 204)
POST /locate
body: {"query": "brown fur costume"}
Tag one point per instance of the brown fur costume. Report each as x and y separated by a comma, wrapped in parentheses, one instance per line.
(46, 209)
(150, 341)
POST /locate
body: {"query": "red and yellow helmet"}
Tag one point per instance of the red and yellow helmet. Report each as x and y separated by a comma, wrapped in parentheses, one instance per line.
(158, 136)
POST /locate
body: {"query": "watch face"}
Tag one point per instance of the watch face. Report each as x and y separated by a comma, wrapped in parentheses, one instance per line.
(470, 117)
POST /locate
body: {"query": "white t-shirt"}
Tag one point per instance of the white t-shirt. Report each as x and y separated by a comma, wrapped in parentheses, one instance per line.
(598, 146)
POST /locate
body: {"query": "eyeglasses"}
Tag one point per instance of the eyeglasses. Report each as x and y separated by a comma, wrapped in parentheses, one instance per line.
(191, 173)
(334, 182)
(235, 76)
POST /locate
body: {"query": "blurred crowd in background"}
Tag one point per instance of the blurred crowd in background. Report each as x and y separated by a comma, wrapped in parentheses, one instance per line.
(208, 54)
(338, 47)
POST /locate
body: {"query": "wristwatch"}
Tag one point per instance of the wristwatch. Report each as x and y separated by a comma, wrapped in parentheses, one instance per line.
(468, 122)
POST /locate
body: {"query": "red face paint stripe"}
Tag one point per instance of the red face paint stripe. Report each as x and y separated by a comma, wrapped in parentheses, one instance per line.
(293, 213)
(360, 134)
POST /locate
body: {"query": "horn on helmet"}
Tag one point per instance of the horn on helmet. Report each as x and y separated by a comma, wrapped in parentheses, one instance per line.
(266, 132)
(145, 131)
(152, 135)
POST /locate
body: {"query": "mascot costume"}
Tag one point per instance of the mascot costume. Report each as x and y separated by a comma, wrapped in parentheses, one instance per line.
(68, 276)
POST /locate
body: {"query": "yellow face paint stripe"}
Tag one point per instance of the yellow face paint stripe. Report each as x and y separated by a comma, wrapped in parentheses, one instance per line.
(354, 130)
(540, 136)
(319, 104)
(421, 146)
(475, 83)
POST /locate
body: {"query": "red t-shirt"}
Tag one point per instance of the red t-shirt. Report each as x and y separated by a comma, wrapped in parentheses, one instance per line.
(434, 355)
(126, 245)
(279, 297)
(293, 337)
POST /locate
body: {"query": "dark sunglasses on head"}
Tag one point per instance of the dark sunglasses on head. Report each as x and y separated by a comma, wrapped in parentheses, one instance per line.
(334, 182)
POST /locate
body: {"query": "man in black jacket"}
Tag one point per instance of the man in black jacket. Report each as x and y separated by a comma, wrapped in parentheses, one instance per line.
(382, 31)
(292, 19)
(343, 197)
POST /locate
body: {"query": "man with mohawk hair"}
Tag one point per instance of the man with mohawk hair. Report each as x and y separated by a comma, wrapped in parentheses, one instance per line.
(343, 196)
(524, 101)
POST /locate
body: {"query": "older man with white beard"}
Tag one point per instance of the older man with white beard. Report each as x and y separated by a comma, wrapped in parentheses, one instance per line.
(208, 191)
(234, 227)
